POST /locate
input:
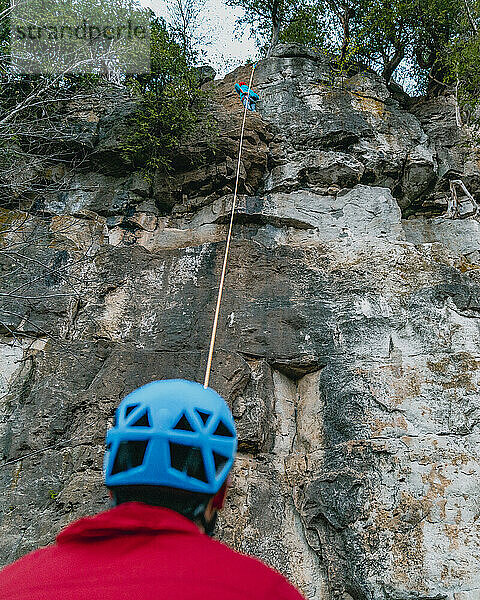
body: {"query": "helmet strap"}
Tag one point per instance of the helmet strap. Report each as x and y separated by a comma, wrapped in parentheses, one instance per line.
(209, 526)
(219, 498)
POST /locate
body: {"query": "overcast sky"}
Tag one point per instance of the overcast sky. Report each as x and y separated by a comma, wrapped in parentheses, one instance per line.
(228, 48)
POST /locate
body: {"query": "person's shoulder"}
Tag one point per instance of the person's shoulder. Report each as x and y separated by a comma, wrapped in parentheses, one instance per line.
(25, 565)
(273, 582)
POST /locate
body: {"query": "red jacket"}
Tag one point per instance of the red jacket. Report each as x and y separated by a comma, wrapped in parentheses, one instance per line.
(136, 551)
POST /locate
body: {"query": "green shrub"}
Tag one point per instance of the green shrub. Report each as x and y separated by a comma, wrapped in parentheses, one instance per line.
(169, 108)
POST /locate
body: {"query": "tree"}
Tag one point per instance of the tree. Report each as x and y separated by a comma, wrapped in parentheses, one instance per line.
(343, 12)
(267, 17)
(187, 24)
(462, 63)
(379, 34)
(170, 103)
(432, 44)
(45, 139)
(430, 33)
(306, 26)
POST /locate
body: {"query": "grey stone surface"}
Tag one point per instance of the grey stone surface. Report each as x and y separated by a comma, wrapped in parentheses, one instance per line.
(362, 212)
(205, 74)
(348, 344)
(455, 155)
(462, 237)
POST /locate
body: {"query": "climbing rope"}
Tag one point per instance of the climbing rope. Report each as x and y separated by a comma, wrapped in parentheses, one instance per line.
(219, 297)
(227, 246)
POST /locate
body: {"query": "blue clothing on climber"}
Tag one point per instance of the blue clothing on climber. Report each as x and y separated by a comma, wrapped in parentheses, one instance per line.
(248, 96)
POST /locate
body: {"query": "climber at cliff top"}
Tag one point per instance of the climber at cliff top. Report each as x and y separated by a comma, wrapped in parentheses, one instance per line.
(166, 465)
(247, 95)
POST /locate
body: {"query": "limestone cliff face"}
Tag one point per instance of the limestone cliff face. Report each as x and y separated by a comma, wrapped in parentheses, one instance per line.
(348, 342)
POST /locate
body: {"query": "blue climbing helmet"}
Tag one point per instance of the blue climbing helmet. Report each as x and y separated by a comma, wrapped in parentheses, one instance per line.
(173, 433)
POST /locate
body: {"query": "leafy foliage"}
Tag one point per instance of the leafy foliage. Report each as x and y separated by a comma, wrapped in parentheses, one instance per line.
(168, 97)
(189, 26)
(267, 18)
(429, 44)
(464, 70)
(169, 107)
(305, 26)
(432, 37)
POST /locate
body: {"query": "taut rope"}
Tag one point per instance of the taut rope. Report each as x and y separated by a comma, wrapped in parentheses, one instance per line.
(227, 246)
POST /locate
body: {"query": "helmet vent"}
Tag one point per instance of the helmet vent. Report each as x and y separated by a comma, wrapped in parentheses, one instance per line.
(183, 424)
(143, 421)
(129, 455)
(220, 462)
(189, 460)
(203, 415)
(223, 430)
(129, 409)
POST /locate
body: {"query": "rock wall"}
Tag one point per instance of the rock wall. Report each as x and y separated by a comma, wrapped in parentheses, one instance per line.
(348, 342)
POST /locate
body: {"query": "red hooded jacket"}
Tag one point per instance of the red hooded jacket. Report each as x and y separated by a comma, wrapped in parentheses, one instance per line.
(137, 551)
